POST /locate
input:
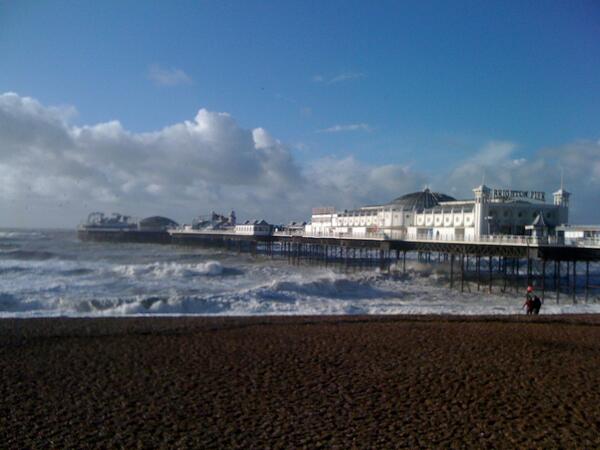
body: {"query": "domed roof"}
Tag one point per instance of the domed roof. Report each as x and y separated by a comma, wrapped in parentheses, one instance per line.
(421, 200)
(157, 222)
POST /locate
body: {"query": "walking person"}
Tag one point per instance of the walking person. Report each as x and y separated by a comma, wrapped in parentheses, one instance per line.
(537, 304)
(529, 301)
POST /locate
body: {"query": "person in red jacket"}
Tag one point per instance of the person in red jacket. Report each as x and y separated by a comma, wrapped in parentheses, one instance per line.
(528, 301)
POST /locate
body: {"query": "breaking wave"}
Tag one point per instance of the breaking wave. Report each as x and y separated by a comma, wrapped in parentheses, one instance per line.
(170, 269)
(331, 287)
(20, 235)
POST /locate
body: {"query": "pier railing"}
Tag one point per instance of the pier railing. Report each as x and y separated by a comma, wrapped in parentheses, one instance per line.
(585, 242)
(397, 235)
(494, 239)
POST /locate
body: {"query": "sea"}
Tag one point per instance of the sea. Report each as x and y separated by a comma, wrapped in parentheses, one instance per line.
(47, 273)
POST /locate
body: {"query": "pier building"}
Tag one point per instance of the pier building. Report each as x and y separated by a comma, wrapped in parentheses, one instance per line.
(254, 228)
(437, 216)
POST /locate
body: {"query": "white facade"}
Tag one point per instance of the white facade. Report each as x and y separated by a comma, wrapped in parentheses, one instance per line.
(579, 232)
(491, 212)
(255, 228)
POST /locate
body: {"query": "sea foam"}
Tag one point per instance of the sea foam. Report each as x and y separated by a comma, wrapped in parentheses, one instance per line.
(169, 269)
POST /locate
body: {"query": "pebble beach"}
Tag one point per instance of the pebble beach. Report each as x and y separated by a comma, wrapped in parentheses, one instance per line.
(301, 382)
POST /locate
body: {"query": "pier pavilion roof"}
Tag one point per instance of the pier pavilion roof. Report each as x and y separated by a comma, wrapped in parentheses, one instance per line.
(421, 200)
(157, 222)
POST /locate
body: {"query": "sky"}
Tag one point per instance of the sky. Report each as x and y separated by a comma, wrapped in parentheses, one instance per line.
(271, 108)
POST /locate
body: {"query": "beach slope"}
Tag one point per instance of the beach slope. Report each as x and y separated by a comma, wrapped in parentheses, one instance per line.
(363, 382)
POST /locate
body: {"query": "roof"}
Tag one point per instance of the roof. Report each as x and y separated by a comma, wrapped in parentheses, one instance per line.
(539, 221)
(158, 221)
(421, 200)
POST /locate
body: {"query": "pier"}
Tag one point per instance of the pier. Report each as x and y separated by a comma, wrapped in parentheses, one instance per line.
(501, 240)
(491, 264)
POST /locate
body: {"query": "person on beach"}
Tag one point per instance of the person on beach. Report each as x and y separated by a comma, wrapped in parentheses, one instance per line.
(536, 304)
(529, 301)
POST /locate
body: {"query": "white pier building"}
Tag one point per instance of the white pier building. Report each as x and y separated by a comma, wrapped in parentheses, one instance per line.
(431, 215)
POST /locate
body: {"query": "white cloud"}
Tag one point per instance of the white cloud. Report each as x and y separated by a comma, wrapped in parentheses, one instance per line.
(541, 171)
(343, 76)
(349, 127)
(205, 163)
(53, 173)
(347, 182)
(171, 76)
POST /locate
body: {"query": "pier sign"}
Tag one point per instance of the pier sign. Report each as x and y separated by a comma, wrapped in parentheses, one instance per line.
(509, 194)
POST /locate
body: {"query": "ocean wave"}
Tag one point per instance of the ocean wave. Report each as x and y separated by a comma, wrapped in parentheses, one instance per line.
(332, 287)
(146, 305)
(10, 303)
(248, 304)
(13, 269)
(20, 235)
(279, 299)
(76, 272)
(40, 255)
(57, 275)
(169, 270)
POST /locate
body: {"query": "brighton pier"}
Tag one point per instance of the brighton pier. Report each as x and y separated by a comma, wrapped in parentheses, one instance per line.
(501, 240)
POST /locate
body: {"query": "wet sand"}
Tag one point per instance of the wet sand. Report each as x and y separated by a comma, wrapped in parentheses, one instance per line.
(303, 382)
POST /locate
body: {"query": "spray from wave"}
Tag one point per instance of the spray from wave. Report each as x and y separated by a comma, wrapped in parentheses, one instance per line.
(169, 270)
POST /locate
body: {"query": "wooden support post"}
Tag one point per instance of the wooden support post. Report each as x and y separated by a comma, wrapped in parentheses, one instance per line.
(558, 282)
(504, 274)
(490, 272)
(517, 264)
(478, 262)
(543, 279)
(451, 270)
(587, 280)
(574, 282)
(462, 273)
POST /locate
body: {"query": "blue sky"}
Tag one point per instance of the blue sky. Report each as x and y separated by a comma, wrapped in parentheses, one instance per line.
(424, 85)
